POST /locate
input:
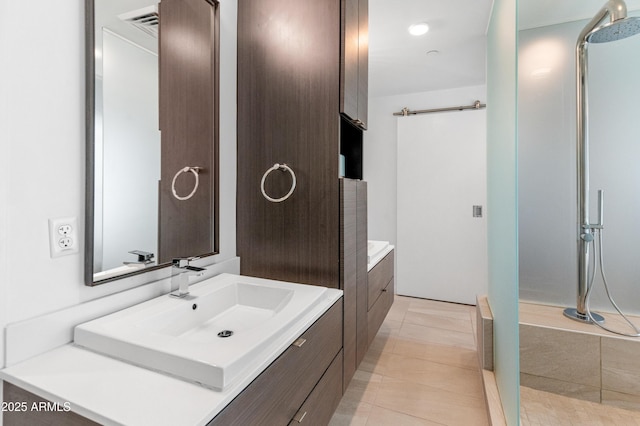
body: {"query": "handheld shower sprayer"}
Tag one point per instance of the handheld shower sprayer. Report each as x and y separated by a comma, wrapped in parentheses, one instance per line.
(597, 248)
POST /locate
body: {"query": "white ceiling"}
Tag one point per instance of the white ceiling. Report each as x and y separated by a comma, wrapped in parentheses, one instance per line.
(399, 62)
(106, 17)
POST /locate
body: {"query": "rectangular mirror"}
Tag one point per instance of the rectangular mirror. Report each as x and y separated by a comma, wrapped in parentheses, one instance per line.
(151, 195)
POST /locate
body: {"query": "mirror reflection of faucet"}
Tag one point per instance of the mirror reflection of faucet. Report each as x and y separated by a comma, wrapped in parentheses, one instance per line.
(144, 258)
(181, 278)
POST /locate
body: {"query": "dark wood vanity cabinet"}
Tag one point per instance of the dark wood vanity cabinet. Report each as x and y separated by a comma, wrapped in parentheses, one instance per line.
(380, 294)
(354, 61)
(302, 386)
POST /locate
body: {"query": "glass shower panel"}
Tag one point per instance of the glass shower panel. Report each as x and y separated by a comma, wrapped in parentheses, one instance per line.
(502, 199)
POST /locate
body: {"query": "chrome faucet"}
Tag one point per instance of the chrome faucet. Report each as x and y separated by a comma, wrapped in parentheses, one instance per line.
(184, 271)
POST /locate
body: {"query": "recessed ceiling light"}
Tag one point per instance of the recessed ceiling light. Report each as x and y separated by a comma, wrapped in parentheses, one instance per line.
(418, 29)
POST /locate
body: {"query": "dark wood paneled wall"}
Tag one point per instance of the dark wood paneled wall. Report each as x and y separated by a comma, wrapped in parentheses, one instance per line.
(288, 109)
(189, 127)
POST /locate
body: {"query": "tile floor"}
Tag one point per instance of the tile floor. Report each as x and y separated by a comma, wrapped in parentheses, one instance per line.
(421, 369)
(538, 408)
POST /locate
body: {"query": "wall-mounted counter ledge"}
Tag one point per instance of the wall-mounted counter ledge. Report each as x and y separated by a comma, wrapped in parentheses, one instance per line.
(113, 392)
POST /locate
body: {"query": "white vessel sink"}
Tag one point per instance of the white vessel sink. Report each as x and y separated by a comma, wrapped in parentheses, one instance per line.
(212, 336)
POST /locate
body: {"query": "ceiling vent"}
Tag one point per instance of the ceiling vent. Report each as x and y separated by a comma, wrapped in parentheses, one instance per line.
(145, 19)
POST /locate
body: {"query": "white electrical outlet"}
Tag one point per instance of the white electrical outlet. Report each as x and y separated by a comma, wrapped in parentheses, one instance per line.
(63, 236)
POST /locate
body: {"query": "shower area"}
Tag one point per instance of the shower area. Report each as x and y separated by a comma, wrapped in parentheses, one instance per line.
(579, 200)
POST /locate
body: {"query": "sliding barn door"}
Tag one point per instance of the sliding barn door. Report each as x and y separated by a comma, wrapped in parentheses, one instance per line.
(441, 247)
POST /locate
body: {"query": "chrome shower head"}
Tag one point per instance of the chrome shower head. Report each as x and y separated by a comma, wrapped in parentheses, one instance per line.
(615, 30)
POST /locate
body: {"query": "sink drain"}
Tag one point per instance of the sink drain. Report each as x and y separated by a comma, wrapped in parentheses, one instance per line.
(225, 333)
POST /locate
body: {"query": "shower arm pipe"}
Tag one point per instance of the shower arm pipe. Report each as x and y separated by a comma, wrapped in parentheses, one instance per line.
(584, 233)
(614, 9)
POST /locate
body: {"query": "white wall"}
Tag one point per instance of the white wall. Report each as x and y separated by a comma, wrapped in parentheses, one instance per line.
(42, 154)
(547, 164)
(380, 150)
(130, 155)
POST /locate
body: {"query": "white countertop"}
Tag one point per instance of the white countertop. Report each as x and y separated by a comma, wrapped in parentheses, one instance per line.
(377, 251)
(113, 392)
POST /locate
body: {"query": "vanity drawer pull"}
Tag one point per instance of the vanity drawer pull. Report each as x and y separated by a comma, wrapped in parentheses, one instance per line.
(298, 418)
(298, 344)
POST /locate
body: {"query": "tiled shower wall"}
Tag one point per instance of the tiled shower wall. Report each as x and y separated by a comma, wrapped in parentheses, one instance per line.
(593, 367)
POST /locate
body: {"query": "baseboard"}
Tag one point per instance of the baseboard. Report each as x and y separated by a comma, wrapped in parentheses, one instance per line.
(492, 399)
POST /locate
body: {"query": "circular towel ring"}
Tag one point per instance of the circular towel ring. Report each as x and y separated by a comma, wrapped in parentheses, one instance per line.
(283, 167)
(195, 171)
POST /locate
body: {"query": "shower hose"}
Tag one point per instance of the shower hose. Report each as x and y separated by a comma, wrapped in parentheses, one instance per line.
(597, 247)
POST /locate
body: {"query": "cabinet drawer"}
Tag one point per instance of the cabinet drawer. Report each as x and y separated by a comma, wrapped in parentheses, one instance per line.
(378, 278)
(379, 311)
(275, 396)
(323, 401)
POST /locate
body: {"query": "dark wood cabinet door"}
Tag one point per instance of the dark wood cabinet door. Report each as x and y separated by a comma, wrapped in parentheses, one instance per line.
(288, 110)
(188, 125)
(363, 62)
(319, 407)
(349, 60)
(354, 61)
